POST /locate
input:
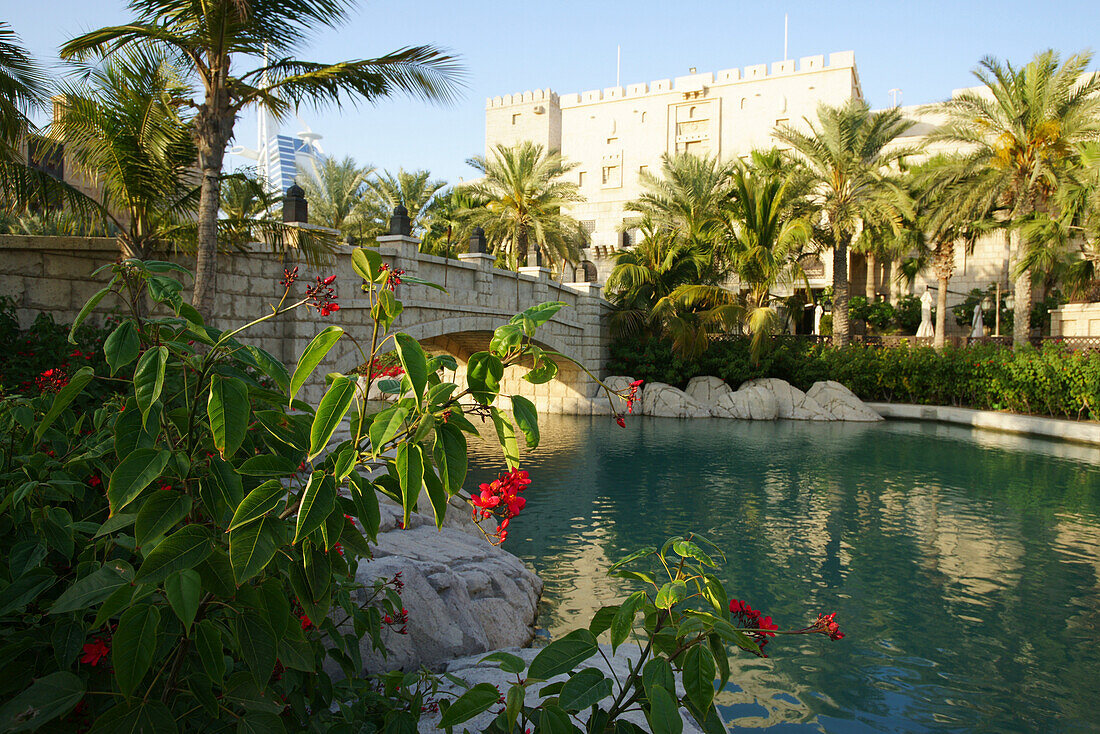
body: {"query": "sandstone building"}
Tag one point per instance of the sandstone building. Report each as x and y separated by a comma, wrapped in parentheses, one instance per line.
(615, 134)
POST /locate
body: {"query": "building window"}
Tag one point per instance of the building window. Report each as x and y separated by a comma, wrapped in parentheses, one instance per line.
(643, 117)
(691, 113)
(782, 121)
(612, 141)
(607, 172)
(580, 178)
(515, 119)
(642, 170)
(589, 225)
(742, 103)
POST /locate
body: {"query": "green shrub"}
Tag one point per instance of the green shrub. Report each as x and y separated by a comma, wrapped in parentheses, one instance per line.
(1050, 380)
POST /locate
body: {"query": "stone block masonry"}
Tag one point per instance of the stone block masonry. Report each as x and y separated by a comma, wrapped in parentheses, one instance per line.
(53, 275)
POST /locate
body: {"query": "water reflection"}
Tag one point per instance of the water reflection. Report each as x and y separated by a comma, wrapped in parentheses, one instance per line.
(965, 564)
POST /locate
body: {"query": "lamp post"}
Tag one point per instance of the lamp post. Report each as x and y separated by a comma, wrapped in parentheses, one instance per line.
(988, 304)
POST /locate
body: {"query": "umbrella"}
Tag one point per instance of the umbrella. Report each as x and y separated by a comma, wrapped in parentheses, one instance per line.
(926, 328)
(978, 328)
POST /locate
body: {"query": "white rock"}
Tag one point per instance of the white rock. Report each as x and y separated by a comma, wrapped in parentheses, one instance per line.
(841, 402)
(709, 391)
(468, 670)
(749, 403)
(665, 401)
(793, 403)
(617, 384)
(464, 595)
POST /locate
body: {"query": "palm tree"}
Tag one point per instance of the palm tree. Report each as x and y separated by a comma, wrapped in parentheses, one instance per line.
(525, 192)
(120, 124)
(336, 194)
(447, 219)
(651, 270)
(213, 37)
(689, 198)
(413, 189)
(22, 89)
(769, 234)
(847, 154)
(1020, 135)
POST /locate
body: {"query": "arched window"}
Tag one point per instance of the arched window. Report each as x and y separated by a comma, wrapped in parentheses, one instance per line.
(643, 117)
(742, 103)
(589, 271)
(691, 113)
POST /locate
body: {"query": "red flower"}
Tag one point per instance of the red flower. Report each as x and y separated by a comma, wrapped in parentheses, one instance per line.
(95, 651)
(328, 280)
(753, 623)
(620, 421)
(95, 481)
(307, 623)
(827, 625)
(289, 276)
(501, 497)
(52, 380)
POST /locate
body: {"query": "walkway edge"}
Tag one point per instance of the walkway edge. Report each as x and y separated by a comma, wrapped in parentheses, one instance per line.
(1079, 432)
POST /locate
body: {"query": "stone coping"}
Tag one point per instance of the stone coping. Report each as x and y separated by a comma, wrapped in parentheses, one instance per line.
(1087, 432)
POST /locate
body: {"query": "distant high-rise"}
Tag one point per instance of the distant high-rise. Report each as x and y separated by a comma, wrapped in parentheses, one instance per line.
(282, 159)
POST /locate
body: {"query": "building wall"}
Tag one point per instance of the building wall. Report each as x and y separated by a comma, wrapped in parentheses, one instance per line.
(616, 133)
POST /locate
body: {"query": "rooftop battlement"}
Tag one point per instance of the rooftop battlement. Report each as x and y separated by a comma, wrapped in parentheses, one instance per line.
(690, 83)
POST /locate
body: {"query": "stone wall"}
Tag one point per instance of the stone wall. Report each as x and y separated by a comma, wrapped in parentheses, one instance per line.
(53, 275)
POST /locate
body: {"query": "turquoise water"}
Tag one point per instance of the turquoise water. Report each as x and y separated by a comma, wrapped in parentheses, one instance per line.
(963, 565)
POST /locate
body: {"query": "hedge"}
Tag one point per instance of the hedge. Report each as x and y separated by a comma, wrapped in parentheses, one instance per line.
(1050, 380)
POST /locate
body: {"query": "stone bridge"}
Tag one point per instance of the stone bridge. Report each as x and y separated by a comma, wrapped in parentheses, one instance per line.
(478, 299)
(53, 275)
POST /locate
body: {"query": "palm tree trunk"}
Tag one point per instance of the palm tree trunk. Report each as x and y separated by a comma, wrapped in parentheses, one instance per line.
(841, 329)
(521, 248)
(871, 267)
(1021, 311)
(940, 337)
(213, 129)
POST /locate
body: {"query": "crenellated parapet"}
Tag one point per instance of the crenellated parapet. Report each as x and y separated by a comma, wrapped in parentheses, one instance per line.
(688, 83)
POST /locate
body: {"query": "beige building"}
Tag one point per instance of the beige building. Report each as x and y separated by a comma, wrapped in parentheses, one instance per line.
(615, 134)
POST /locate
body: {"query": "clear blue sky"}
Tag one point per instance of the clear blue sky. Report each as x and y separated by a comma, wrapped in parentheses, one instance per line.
(924, 48)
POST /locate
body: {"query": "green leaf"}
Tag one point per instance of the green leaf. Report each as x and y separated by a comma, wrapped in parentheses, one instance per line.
(62, 399)
(258, 503)
(481, 697)
(136, 718)
(217, 574)
(208, 642)
(122, 346)
(260, 722)
(715, 593)
(345, 462)
(583, 689)
(314, 352)
(318, 501)
(663, 714)
(562, 655)
(184, 591)
(528, 419)
(537, 315)
(253, 546)
(601, 620)
(133, 646)
(687, 549)
(623, 622)
(257, 644)
(85, 310)
(366, 504)
(410, 475)
(24, 556)
(93, 588)
(270, 366)
(506, 434)
(657, 673)
(26, 589)
(508, 663)
(330, 412)
(67, 640)
(386, 425)
(545, 369)
(640, 553)
(698, 675)
(415, 363)
(268, 465)
(149, 379)
(228, 410)
(554, 720)
(450, 456)
(44, 700)
(671, 594)
(437, 495)
(158, 514)
(367, 263)
(483, 374)
(186, 548)
(506, 338)
(133, 474)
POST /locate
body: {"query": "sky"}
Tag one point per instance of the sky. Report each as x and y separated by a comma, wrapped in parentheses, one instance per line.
(925, 49)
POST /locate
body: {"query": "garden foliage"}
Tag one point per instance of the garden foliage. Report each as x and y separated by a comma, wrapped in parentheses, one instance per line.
(1049, 380)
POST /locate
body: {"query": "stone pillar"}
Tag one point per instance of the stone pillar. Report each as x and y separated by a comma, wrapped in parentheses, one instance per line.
(484, 276)
(541, 292)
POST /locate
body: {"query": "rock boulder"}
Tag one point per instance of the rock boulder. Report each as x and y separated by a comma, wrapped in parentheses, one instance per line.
(708, 391)
(841, 402)
(665, 401)
(793, 403)
(464, 596)
(749, 403)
